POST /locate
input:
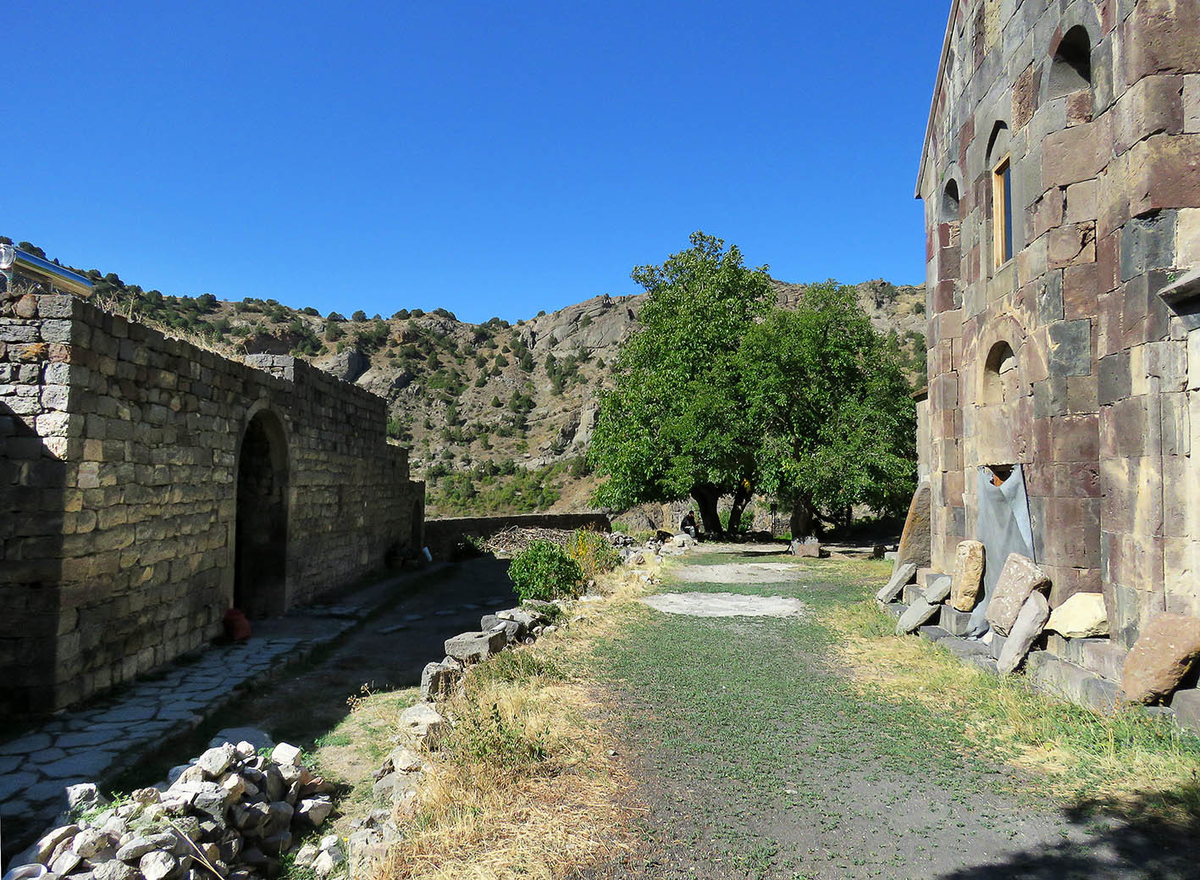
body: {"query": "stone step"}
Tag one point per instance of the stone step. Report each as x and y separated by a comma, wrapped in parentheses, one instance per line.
(1100, 656)
(955, 622)
(1052, 674)
(1186, 704)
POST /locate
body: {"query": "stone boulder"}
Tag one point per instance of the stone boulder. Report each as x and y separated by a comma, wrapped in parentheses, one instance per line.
(422, 722)
(438, 681)
(915, 544)
(1024, 632)
(917, 614)
(1018, 579)
(902, 576)
(968, 575)
(474, 647)
(808, 548)
(1161, 657)
(1083, 616)
(937, 589)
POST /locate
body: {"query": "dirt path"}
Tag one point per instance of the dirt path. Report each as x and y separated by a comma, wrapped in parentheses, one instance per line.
(759, 759)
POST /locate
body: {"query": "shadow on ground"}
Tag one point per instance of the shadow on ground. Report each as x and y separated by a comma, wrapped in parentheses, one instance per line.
(386, 652)
(1138, 846)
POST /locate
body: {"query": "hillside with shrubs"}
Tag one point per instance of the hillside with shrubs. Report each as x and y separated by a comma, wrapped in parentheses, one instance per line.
(497, 415)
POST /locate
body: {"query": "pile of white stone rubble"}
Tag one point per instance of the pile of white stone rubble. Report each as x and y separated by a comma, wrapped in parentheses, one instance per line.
(232, 814)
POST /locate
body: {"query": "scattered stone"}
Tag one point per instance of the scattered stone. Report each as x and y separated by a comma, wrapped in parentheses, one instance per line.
(421, 721)
(133, 850)
(216, 761)
(328, 860)
(938, 589)
(901, 577)
(65, 862)
(1019, 577)
(1028, 626)
(84, 796)
(917, 614)
(115, 870)
(88, 842)
(405, 760)
(1161, 657)
(438, 681)
(305, 856)
(286, 754)
(968, 575)
(314, 811)
(474, 647)
(157, 865)
(260, 739)
(1082, 616)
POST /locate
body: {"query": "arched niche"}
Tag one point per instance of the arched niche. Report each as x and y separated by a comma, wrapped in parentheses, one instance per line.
(950, 206)
(260, 557)
(1001, 380)
(1071, 66)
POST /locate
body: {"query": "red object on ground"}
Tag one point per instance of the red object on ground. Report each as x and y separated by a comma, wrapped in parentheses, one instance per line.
(237, 627)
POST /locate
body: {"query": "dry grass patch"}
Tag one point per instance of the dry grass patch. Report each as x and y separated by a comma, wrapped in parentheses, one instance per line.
(523, 785)
(1127, 761)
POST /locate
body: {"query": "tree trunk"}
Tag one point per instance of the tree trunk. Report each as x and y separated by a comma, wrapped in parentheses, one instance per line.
(804, 518)
(741, 497)
(705, 496)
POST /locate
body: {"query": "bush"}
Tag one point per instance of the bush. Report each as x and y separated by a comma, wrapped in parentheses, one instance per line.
(543, 571)
(593, 552)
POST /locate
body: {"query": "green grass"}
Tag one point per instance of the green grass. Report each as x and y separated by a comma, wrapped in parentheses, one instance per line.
(735, 711)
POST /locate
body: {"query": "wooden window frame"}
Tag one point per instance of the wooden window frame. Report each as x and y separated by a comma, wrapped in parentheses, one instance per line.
(1003, 247)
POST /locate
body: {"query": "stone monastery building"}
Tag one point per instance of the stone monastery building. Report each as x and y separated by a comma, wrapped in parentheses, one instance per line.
(1061, 183)
(149, 486)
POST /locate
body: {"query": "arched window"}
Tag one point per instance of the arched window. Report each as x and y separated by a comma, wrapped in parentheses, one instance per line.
(1002, 196)
(950, 203)
(1071, 69)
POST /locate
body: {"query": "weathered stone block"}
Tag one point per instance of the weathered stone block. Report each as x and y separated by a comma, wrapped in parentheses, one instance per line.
(1150, 106)
(1070, 348)
(918, 613)
(1161, 657)
(1025, 630)
(1082, 616)
(1018, 579)
(902, 575)
(473, 647)
(968, 575)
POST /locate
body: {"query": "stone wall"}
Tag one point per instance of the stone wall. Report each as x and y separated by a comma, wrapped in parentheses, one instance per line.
(1064, 358)
(120, 471)
(441, 535)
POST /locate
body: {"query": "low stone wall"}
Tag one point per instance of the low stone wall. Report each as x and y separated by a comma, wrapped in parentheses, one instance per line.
(148, 484)
(441, 535)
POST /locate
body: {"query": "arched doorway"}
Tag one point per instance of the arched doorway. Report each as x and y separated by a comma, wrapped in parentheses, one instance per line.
(260, 571)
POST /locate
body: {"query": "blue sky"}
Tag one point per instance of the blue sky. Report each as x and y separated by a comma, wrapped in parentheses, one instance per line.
(492, 159)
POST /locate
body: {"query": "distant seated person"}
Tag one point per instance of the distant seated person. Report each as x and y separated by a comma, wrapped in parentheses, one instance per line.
(688, 526)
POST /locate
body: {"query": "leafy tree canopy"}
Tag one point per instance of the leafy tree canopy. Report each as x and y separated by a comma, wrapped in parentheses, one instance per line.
(837, 413)
(674, 424)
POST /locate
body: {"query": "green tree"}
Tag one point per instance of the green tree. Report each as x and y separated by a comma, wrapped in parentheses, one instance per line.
(837, 413)
(674, 424)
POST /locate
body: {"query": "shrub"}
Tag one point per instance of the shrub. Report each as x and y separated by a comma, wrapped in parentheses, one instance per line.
(543, 571)
(593, 552)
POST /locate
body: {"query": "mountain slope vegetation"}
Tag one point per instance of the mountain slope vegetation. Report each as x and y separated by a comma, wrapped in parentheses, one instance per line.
(497, 415)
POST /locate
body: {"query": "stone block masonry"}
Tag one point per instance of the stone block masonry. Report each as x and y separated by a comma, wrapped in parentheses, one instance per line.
(1061, 183)
(150, 485)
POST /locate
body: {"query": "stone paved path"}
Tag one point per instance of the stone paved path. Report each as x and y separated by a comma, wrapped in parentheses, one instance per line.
(99, 741)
